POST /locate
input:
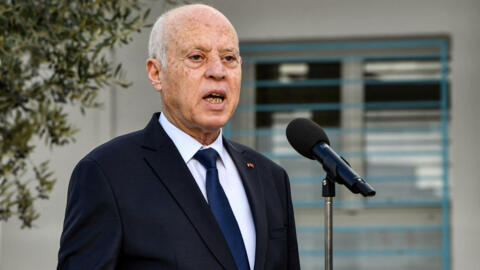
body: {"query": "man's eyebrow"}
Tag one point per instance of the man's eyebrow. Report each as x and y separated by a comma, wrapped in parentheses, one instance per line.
(201, 48)
(205, 49)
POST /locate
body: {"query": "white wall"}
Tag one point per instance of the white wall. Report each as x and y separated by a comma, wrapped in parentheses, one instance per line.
(289, 20)
(329, 19)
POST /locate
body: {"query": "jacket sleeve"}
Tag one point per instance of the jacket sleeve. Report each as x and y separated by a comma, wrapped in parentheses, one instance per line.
(293, 257)
(91, 236)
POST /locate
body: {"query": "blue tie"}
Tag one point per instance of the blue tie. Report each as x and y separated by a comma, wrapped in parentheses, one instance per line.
(221, 208)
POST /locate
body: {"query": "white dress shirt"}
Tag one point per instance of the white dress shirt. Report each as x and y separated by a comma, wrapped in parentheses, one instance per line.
(227, 174)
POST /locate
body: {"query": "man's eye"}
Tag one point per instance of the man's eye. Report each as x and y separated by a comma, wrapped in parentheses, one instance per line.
(196, 57)
(230, 58)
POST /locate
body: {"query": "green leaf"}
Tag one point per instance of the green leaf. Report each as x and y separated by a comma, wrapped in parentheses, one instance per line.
(52, 53)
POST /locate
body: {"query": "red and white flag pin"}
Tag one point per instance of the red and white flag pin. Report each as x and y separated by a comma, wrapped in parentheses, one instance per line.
(250, 165)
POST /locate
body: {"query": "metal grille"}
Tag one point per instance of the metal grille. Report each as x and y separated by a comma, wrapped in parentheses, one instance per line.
(384, 105)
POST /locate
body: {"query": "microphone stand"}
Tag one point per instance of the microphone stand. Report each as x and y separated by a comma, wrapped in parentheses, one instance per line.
(328, 192)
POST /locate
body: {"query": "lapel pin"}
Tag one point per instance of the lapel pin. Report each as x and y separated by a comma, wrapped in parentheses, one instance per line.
(250, 165)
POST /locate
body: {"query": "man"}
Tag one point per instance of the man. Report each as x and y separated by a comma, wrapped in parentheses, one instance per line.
(177, 195)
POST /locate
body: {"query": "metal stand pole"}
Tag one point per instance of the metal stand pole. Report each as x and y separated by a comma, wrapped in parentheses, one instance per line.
(328, 234)
(328, 192)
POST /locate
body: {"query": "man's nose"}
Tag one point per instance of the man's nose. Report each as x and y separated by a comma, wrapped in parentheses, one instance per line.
(215, 69)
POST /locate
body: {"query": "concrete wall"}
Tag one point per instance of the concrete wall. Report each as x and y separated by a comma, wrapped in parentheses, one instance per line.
(130, 109)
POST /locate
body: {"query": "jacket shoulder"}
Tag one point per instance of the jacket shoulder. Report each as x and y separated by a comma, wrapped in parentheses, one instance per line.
(117, 147)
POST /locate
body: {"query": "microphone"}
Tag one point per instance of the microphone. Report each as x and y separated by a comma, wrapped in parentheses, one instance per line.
(309, 140)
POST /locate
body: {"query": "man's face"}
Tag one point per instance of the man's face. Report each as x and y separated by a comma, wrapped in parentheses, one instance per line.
(200, 86)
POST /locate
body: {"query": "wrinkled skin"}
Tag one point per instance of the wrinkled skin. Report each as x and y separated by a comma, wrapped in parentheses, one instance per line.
(202, 59)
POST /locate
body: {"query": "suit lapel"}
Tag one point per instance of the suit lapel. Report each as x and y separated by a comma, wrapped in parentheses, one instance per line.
(254, 189)
(165, 160)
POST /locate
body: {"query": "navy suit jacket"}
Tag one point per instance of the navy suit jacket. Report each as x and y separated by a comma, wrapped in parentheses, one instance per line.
(133, 204)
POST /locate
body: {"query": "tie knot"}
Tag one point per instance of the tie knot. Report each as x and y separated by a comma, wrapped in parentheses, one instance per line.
(208, 158)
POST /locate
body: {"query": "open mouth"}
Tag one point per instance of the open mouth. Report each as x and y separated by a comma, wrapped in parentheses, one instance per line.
(214, 98)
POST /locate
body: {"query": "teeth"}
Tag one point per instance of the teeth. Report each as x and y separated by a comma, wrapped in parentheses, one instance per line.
(214, 100)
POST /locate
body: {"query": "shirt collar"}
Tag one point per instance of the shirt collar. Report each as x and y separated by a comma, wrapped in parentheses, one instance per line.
(186, 144)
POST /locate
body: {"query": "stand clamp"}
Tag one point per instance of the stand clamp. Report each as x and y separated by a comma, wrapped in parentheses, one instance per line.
(328, 192)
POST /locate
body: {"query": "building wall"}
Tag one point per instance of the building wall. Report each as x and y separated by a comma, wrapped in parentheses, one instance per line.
(129, 109)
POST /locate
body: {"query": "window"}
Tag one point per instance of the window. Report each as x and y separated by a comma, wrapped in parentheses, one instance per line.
(384, 106)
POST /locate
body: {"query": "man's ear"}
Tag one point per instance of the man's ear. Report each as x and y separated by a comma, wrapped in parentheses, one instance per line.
(153, 71)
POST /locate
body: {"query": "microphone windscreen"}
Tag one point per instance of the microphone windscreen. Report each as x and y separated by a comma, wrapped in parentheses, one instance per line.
(303, 134)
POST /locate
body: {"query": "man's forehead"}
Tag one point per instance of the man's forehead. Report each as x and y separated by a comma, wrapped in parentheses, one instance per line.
(190, 44)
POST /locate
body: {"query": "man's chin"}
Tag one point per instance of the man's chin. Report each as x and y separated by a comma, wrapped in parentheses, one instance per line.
(213, 125)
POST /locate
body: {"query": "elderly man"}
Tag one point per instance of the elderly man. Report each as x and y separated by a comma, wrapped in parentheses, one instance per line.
(177, 195)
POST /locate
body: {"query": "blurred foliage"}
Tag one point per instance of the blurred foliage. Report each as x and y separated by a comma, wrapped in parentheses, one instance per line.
(53, 53)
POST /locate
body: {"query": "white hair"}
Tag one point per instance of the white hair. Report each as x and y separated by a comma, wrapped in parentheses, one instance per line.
(157, 42)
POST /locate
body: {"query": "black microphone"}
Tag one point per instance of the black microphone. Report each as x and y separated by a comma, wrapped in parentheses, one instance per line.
(310, 141)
